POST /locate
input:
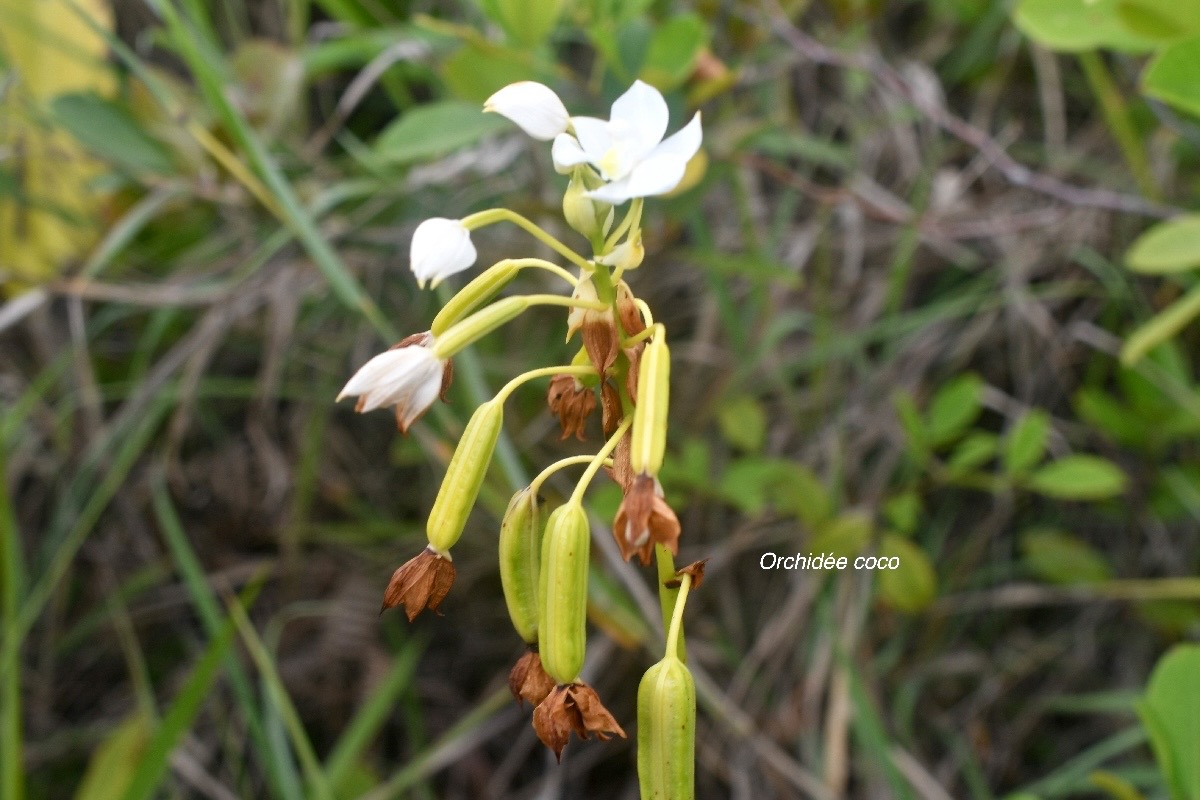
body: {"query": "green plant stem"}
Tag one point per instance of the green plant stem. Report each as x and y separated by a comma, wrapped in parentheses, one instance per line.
(494, 215)
(1116, 116)
(665, 564)
(632, 221)
(536, 484)
(598, 460)
(675, 631)
(541, 372)
(567, 302)
(12, 768)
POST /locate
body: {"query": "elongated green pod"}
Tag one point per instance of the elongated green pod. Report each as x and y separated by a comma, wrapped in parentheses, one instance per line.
(481, 289)
(562, 599)
(649, 434)
(478, 325)
(666, 736)
(464, 477)
(520, 552)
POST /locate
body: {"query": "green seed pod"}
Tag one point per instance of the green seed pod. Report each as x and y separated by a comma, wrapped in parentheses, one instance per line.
(649, 434)
(520, 550)
(464, 476)
(478, 325)
(666, 746)
(474, 294)
(562, 599)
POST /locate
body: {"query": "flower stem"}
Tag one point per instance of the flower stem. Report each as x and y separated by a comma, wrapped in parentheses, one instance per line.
(667, 597)
(542, 372)
(632, 220)
(569, 302)
(676, 629)
(536, 484)
(598, 460)
(494, 215)
(541, 263)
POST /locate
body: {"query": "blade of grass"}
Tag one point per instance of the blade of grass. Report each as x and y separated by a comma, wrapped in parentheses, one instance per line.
(12, 766)
(280, 770)
(277, 692)
(370, 717)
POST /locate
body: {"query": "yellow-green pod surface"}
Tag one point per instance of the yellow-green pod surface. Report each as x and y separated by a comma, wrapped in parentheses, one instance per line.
(478, 325)
(464, 476)
(666, 737)
(649, 434)
(562, 599)
(485, 286)
(520, 550)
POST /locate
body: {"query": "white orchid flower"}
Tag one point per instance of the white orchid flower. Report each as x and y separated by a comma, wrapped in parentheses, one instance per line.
(408, 376)
(628, 150)
(533, 106)
(440, 248)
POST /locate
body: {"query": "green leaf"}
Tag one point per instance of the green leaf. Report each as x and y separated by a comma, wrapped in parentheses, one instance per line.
(903, 511)
(846, 535)
(953, 409)
(1074, 26)
(115, 760)
(751, 484)
(1161, 327)
(802, 493)
(528, 22)
(1171, 246)
(912, 585)
(1025, 444)
(110, 132)
(673, 51)
(1174, 76)
(436, 129)
(1097, 408)
(1170, 710)
(743, 423)
(1062, 559)
(973, 452)
(474, 74)
(1079, 477)
(913, 425)
(1161, 20)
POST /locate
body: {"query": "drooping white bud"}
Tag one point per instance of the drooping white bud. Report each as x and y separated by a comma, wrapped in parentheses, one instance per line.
(533, 106)
(440, 248)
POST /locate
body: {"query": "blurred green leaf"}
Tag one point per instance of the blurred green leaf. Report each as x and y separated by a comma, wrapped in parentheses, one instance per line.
(436, 129)
(1161, 20)
(270, 84)
(802, 493)
(115, 760)
(110, 132)
(1161, 327)
(788, 142)
(912, 585)
(911, 422)
(1097, 408)
(1114, 785)
(846, 535)
(673, 51)
(1171, 246)
(474, 74)
(1077, 25)
(1025, 444)
(527, 22)
(743, 423)
(903, 511)
(1062, 559)
(953, 409)
(1080, 477)
(1170, 710)
(973, 452)
(1174, 76)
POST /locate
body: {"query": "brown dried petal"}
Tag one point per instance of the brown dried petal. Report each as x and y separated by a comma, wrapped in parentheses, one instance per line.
(420, 583)
(610, 404)
(573, 707)
(528, 680)
(634, 354)
(600, 340)
(628, 312)
(423, 339)
(622, 469)
(695, 569)
(447, 379)
(572, 402)
(643, 519)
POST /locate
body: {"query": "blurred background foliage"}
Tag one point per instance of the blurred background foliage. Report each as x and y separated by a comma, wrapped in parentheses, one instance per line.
(903, 284)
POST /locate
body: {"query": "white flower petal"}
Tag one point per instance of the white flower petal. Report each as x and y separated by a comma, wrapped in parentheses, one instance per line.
(566, 153)
(684, 143)
(374, 371)
(533, 106)
(593, 137)
(440, 248)
(615, 193)
(656, 175)
(408, 377)
(420, 400)
(640, 114)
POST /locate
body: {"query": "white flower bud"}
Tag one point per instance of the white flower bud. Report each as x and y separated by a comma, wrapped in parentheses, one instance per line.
(533, 106)
(440, 248)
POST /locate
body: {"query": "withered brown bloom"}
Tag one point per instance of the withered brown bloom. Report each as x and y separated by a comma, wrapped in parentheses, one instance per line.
(627, 311)
(622, 469)
(634, 354)
(572, 403)
(420, 583)
(527, 680)
(573, 707)
(600, 337)
(645, 518)
(610, 406)
(694, 569)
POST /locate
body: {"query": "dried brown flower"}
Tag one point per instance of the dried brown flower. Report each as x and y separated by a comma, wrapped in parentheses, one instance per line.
(645, 518)
(573, 707)
(610, 406)
(628, 312)
(420, 583)
(622, 470)
(527, 680)
(695, 569)
(572, 403)
(634, 354)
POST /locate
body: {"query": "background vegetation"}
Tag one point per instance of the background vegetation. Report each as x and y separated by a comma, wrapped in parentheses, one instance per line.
(904, 322)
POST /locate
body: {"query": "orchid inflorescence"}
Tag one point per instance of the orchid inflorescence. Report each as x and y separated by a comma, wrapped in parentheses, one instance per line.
(624, 358)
